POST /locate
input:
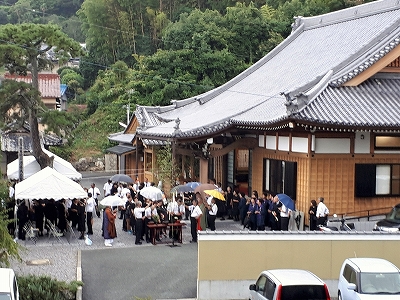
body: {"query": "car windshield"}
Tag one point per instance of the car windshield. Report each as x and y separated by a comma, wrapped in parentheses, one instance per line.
(303, 292)
(380, 283)
(5, 296)
(394, 215)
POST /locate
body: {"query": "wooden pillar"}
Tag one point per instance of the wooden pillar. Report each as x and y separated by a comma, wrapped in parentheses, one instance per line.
(203, 170)
(136, 158)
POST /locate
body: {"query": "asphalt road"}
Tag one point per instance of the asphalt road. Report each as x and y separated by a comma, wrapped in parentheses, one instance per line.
(151, 272)
(128, 271)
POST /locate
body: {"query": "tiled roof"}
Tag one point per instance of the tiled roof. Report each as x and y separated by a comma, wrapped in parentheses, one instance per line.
(9, 141)
(372, 104)
(121, 149)
(301, 76)
(120, 137)
(49, 84)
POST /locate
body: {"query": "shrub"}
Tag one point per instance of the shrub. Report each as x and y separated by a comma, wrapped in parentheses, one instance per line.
(33, 287)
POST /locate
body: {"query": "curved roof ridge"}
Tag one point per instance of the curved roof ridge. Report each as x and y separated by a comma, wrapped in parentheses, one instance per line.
(350, 13)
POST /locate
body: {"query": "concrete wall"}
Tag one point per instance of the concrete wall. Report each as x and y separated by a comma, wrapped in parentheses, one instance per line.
(229, 262)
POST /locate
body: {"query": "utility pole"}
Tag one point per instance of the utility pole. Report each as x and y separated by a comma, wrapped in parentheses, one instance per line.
(20, 158)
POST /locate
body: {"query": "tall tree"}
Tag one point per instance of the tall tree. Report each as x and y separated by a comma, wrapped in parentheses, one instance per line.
(23, 49)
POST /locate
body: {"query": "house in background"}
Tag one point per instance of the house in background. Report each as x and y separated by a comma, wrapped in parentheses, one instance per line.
(318, 116)
(49, 87)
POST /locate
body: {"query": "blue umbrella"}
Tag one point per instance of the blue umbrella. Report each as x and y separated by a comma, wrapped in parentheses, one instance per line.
(193, 184)
(182, 189)
(287, 201)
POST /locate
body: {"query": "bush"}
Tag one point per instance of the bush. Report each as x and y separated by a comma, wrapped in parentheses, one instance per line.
(33, 287)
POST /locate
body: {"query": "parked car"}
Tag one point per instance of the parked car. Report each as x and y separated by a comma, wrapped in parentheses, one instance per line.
(392, 221)
(368, 278)
(8, 285)
(288, 284)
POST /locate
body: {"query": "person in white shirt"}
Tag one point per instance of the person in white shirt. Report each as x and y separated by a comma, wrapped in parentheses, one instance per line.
(212, 214)
(173, 210)
(284, 213)
(90, 208)
(124, 192)
(138, 214)
(11, 191)
(107, 188)
(95, 194)
(322, 212)
(146, 182)
(147, 219)
(195, 216)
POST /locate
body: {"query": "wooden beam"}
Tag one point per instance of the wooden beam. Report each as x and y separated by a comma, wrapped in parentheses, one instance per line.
(248, 143)
(375, 68)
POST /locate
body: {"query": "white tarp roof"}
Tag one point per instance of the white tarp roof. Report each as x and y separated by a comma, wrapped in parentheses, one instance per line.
(31, 166)
(48, 184)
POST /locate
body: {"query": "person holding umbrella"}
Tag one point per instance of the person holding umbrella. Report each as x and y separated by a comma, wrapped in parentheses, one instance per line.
(212, 214)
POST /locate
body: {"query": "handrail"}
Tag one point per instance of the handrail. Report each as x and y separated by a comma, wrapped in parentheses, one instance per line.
(368, 213)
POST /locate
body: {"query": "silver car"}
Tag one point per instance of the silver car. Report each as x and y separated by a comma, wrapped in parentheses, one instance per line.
(288, 284)
(368, 278)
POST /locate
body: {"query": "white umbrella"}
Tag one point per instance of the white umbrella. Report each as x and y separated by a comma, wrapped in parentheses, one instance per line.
(152, 193)
(112, 201)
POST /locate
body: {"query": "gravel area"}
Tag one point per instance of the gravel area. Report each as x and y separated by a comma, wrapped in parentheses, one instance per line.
(63, 255)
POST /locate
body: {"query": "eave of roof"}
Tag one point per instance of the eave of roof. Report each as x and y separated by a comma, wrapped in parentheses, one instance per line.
(122, 137)
(121, 149)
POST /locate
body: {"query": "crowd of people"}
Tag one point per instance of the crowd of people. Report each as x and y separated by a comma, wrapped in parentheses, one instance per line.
(254, 213)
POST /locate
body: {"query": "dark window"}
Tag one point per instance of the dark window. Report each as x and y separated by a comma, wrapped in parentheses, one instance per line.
(270, 287)
(304, 292)
(260, 285)
(377, 180)
(365, 180)
(280, 176)
(350, 275)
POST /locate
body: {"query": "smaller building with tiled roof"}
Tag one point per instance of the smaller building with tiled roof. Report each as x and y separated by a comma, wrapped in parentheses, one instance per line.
(49, 86)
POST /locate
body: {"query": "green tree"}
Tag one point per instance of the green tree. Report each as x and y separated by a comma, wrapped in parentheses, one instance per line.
(63, 123)
(8, 248)
(167, 169)
(22, 50)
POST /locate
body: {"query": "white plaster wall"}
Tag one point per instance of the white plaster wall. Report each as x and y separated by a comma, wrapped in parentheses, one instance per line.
(300, 144)
(283, 143)
(261, 141)
(271, 142)
(362, 142)
(327, 145)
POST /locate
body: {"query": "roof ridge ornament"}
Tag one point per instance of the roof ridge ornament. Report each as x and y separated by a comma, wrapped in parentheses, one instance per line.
(297, 22)
(291, 107)
(176, 127)
(141, 119)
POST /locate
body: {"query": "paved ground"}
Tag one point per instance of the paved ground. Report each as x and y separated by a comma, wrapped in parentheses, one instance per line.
(145, 271)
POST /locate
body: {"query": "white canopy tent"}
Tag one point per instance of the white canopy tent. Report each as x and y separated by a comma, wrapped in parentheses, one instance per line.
(31, 166)
(48, 184)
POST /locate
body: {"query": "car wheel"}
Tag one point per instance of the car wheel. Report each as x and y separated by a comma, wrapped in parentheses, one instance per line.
(339, 296)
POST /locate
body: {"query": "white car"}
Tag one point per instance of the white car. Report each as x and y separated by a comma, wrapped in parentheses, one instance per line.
(368, 278)
(288, 284)
(8, 285)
